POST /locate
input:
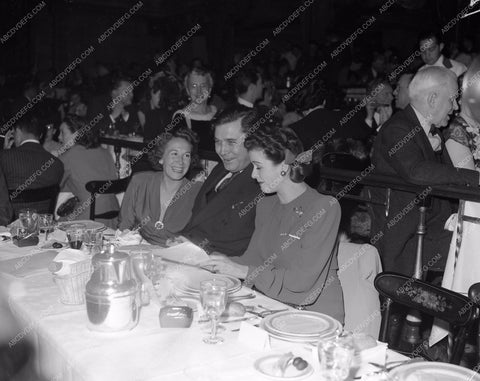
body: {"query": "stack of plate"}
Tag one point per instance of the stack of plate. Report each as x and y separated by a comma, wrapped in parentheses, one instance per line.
(85, 224)
(301, 326)
(191, 283)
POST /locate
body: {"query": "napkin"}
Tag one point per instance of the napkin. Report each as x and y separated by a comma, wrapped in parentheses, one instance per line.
(127, 237)
(186, 252)
(66, 258)
(253, 337)
(5, 232)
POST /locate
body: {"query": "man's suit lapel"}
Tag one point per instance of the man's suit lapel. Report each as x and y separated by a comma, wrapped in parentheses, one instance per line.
(210, 184)
(221, 200)
(419, 135)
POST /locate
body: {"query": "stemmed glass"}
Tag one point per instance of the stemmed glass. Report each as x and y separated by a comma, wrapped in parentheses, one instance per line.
(213, 295)
(45, 224)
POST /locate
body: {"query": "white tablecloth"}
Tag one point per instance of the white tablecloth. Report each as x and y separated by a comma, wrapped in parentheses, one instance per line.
(68, 351)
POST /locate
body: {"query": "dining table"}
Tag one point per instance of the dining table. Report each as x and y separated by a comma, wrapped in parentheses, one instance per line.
(65, 349)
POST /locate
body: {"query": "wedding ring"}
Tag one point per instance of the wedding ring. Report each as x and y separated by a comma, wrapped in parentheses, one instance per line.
(159, 225)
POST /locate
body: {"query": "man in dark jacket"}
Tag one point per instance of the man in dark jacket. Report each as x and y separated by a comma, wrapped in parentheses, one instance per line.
(28, 165)
(223, 216)
(408, 147)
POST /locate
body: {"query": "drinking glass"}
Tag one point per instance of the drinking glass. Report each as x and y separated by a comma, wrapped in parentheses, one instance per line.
(45, 224)
(29, 221)
(75, 237)
(336, 357)
(213, 296)
(93, 239)
(147, 258)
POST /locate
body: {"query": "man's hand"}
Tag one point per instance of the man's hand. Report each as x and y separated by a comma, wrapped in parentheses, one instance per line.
(9, 140)
(224, 265)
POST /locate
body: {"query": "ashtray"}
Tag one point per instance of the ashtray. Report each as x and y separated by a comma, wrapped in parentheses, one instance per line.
(176, 317)
(22, 242)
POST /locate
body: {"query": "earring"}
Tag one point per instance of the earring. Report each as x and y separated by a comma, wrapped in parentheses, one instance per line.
(283, 173)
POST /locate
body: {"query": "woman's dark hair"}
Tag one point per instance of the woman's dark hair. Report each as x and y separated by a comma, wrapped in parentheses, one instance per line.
(274, 142)
(88, 135)
(182, 132)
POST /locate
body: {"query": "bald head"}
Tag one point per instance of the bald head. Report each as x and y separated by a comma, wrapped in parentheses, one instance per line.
(432, 92)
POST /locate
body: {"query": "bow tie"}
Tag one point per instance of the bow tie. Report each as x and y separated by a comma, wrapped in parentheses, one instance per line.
(434, 130)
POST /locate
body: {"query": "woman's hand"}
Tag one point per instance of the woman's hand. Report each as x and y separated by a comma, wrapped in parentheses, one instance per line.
(224, 265)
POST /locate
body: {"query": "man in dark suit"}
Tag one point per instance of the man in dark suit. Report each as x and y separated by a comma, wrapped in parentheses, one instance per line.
(220, 220)
(28, 165)
(408, 147)
(6, 211)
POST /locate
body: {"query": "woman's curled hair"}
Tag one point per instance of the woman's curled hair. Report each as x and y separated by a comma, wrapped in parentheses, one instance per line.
(183, 132)
(274, 142)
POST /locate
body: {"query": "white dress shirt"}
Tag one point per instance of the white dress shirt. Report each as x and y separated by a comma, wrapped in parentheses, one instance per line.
(457, 67)
(435, 140)
(245, 102)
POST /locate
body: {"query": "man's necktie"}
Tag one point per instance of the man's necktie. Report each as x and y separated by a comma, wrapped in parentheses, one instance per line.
(436, 133)
(225, 182)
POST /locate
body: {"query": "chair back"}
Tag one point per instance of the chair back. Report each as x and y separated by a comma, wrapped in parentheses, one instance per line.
(41, 199)
(97, 187)
(358, 266)
(432, 300)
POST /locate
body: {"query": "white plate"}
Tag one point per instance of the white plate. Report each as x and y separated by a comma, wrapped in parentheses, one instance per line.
(191, 283)
(296, 339)
(266, 366)
(301, 324)
(433, 371)
(88, 225)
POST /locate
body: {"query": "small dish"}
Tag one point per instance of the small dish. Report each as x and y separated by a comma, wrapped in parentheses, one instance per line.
(268, 366)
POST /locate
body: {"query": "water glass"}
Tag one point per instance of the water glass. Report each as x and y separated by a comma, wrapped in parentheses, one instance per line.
(93, 239)
(45, 224)
(75, 237)
(336, 357)
(29, 221)
(213, 296)
(147, 258)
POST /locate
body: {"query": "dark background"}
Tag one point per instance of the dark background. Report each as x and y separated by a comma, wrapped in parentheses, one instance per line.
(65, 28)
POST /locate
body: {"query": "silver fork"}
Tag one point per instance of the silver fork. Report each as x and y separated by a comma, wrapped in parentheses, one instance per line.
(263, 314)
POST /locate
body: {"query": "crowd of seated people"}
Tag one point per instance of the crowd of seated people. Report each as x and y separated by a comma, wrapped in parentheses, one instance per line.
(189, 107)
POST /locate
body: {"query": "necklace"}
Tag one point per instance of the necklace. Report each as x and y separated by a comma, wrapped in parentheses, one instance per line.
(164, 203)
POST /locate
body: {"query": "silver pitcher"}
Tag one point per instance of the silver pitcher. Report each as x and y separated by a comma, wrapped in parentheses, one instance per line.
(112, 293)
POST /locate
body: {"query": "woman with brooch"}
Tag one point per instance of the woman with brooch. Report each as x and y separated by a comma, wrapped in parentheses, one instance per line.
(292, 255)
(160, 203)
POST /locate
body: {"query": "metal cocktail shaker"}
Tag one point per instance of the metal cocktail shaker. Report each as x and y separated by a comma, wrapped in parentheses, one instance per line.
(112, 294)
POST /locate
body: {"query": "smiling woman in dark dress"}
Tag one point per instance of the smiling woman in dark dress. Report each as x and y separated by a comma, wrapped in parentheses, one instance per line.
(160, 203)
(292, 254)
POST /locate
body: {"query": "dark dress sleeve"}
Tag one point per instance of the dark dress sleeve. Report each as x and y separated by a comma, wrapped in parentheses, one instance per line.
(127, 211)
(309, 263)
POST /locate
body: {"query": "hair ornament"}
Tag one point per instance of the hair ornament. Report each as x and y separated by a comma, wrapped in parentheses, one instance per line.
(304, 157)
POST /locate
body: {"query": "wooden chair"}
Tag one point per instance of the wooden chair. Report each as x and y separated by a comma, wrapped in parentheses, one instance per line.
(105, 187)
(474, 295)
(458, 310)
(41, 199)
